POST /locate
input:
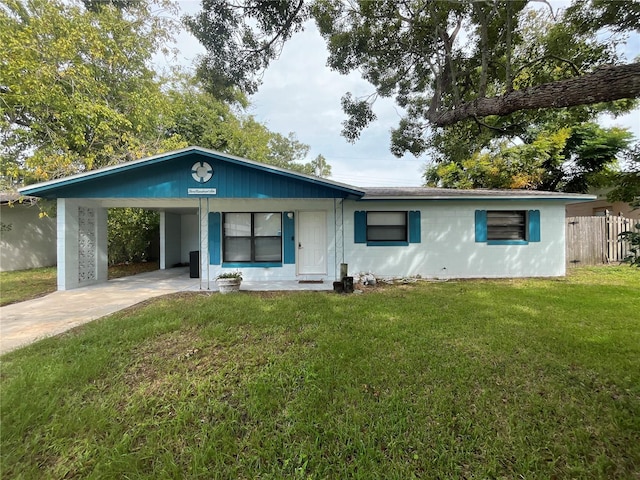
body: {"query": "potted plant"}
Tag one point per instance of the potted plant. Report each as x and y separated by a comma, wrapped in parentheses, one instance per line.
(229, 281)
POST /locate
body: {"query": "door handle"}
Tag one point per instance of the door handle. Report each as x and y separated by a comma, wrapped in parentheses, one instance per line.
(299, 245)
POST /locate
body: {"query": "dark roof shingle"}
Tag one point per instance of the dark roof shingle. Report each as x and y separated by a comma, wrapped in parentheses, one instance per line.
(430, 193)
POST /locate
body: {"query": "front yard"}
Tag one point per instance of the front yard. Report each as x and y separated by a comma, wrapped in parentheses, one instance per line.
(461, 379)
(22, 285)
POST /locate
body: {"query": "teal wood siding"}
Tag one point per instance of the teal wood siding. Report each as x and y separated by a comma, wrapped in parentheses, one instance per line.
(534, 226)
(288, 239)
(414, 227)
(172, 178)
(481, 225)
(360, 227)
(215, 234)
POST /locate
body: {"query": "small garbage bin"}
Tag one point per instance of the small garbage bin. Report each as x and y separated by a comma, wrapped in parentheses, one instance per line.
(194, 264)
(347, 284)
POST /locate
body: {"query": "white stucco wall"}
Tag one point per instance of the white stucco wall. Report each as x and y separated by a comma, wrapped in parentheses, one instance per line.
(448, 248)
(27, 241)
(69, 250)
(170, 243)
(189, 236)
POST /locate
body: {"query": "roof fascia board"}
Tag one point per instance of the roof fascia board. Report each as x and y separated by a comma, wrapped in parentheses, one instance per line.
(101, 172)
(586, 198)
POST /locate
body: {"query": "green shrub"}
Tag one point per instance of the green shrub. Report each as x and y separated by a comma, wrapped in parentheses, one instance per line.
(633, 238)
(131, 232)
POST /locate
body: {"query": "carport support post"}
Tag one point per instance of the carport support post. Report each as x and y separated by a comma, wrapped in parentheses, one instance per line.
(82, 244)
(203, 214)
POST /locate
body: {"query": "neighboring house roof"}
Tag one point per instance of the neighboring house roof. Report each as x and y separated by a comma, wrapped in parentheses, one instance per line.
(8, 198)
(167, 175)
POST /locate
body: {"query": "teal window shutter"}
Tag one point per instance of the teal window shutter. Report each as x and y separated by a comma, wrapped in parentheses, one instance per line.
(288, 238)
(534, 225)
(360, 227)
(214, 238)
(414, 227)
(481, 225)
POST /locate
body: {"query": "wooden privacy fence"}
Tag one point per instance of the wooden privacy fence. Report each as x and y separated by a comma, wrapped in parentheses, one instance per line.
(595, 240)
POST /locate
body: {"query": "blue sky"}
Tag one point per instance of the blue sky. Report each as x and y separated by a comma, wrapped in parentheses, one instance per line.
(301, 94)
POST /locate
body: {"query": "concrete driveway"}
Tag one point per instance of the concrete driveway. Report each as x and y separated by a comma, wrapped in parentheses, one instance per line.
(25, 322)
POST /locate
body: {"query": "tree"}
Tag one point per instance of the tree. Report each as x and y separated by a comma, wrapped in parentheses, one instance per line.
(199, 118)
(627, 189)
(627, 182)
(633, 257)
(76, 88)
(569, 159)
(443, 62)
(131, 232)
(237, 52)
(320, 167)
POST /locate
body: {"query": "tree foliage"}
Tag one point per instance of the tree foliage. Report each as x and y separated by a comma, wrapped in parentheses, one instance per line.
(77, 91)
(627, 181)
(131, 232)
(633, 257)
(569, 159)
(479, 62)
(200, 118)
(241, 38)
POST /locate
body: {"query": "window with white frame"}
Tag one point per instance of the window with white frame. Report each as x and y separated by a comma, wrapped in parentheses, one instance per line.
(252, 237)
(387, 227)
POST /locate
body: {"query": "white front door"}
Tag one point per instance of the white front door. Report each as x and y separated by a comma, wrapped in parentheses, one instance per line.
(312, 243)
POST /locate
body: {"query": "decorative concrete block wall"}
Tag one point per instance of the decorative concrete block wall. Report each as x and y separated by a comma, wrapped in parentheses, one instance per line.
(82, 244)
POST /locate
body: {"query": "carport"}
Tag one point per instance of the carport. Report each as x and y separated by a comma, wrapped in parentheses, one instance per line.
(82, 236)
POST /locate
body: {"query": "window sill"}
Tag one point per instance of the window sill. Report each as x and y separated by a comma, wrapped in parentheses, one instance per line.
(507, 242)
(251, 264)
(387, 244)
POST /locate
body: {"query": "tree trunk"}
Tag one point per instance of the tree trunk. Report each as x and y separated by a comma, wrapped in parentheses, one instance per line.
(604, 85)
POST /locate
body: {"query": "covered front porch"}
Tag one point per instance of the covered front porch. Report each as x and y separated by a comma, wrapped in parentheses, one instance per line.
(186, 228)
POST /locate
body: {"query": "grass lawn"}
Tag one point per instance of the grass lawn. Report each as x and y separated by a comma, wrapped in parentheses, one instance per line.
(534, 378)
(22, 285)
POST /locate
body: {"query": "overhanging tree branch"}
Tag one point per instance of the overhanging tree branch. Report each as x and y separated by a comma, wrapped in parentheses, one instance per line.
(604, 85)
